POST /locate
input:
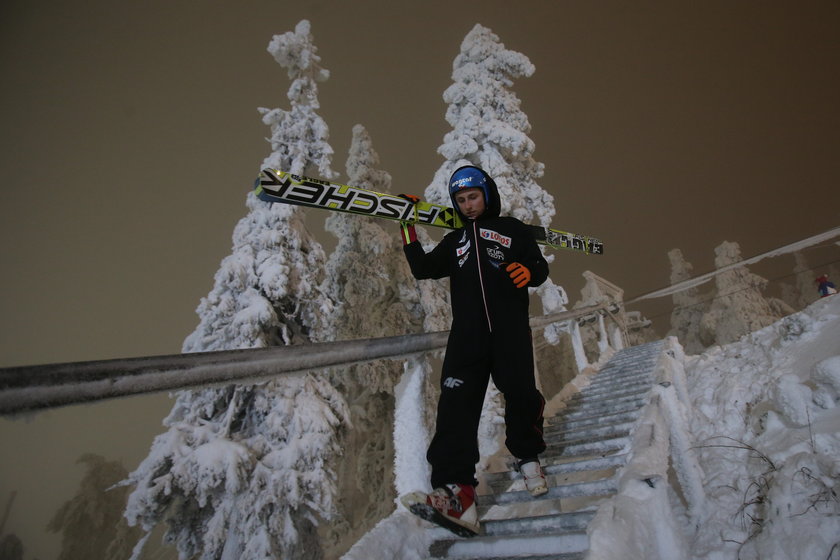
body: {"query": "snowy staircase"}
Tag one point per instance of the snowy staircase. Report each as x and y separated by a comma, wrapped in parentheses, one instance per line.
(587, 444)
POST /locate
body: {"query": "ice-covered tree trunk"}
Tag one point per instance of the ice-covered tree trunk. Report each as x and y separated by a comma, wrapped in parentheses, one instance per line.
(739, 308)
(689, 306)
(247, 471)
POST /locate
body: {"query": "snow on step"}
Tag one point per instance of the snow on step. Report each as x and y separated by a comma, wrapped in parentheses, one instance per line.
(579, 442)
(607, 403)
(594, 446)
(562, 425)
(521, 546)
(619, 389)
(574, 521)
(594, 488)
(589, 432)
(590, 411)
(559, 469)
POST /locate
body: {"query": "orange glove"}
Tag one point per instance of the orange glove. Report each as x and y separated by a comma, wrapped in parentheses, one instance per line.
(414, 199)
(519, 273)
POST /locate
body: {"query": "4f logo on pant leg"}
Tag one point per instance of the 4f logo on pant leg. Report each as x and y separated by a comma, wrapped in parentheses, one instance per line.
(452, 383)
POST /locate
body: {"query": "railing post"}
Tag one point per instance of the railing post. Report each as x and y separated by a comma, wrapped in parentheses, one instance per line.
(411, 436)
(673, 398)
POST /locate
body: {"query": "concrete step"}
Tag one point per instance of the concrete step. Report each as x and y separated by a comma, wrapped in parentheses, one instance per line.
(591, 463)
(582, 418)
(615, 389)
(580, 489)
(601, 446)
(606, 401)
(560, 545)
(572, 425)
(573, 521)
(625, 374)
(587, 432)
(603, 407)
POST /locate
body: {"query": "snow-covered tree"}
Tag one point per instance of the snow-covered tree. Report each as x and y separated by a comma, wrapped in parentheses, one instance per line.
(689, 306)
(376, 296)
(266, 291)
(367, 273)
(739, 307)
(801, 293)
(489, 129)
(91, 523)
(246, 471)
(299, 137)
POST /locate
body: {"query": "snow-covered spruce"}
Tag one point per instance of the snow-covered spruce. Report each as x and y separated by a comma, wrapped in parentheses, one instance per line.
(248, 471)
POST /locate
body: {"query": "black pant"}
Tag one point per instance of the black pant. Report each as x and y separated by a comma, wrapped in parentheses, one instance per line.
(473, 355)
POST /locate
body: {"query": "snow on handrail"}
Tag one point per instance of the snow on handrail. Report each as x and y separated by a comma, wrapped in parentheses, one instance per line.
(29, 388)
(673, 400)
(703, 278)
(660, 442)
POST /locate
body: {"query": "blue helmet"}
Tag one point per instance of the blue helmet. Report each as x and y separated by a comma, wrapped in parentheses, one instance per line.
(469, 177)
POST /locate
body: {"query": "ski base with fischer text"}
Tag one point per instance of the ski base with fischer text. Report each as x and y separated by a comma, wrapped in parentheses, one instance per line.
(274, 185)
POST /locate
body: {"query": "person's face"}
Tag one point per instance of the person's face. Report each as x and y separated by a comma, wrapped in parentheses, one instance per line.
(471, 202)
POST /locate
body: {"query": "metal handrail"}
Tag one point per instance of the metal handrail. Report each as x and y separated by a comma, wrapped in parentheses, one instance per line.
(28, 388)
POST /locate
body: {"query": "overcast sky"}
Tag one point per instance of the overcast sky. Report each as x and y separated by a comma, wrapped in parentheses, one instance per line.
(130, 138)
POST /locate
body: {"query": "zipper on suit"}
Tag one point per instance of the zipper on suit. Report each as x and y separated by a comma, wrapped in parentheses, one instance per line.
(480, 275)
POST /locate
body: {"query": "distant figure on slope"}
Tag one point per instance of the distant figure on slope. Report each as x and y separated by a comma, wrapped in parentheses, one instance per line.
(491, 262)
(825, 287)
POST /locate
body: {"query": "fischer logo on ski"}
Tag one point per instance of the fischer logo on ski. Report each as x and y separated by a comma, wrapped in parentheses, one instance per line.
(304, 191)
(274, 185)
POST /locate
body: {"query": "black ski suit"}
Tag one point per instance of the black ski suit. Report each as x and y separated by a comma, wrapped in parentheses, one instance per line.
(490, 336)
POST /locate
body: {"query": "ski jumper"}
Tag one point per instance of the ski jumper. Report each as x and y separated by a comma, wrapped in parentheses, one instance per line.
(825, 287)
(490, 337)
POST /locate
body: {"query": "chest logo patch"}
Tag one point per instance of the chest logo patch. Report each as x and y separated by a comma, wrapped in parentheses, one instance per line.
(491, 235)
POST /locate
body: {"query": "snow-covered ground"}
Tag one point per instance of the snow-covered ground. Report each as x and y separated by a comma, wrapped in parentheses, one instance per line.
(765, 421)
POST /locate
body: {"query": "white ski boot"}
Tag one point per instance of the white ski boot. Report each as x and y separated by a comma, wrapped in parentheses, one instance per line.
(534, 478)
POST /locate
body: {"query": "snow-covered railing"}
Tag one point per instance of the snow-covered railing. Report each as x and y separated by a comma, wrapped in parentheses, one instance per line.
(35, 387)
(599, 291)
(44, 386)
(672, 392)
(660, 442)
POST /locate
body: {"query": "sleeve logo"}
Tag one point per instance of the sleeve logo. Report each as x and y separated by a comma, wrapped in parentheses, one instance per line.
(459, 251)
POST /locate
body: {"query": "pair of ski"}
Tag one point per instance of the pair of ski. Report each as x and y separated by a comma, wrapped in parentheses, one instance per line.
(274, 185)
